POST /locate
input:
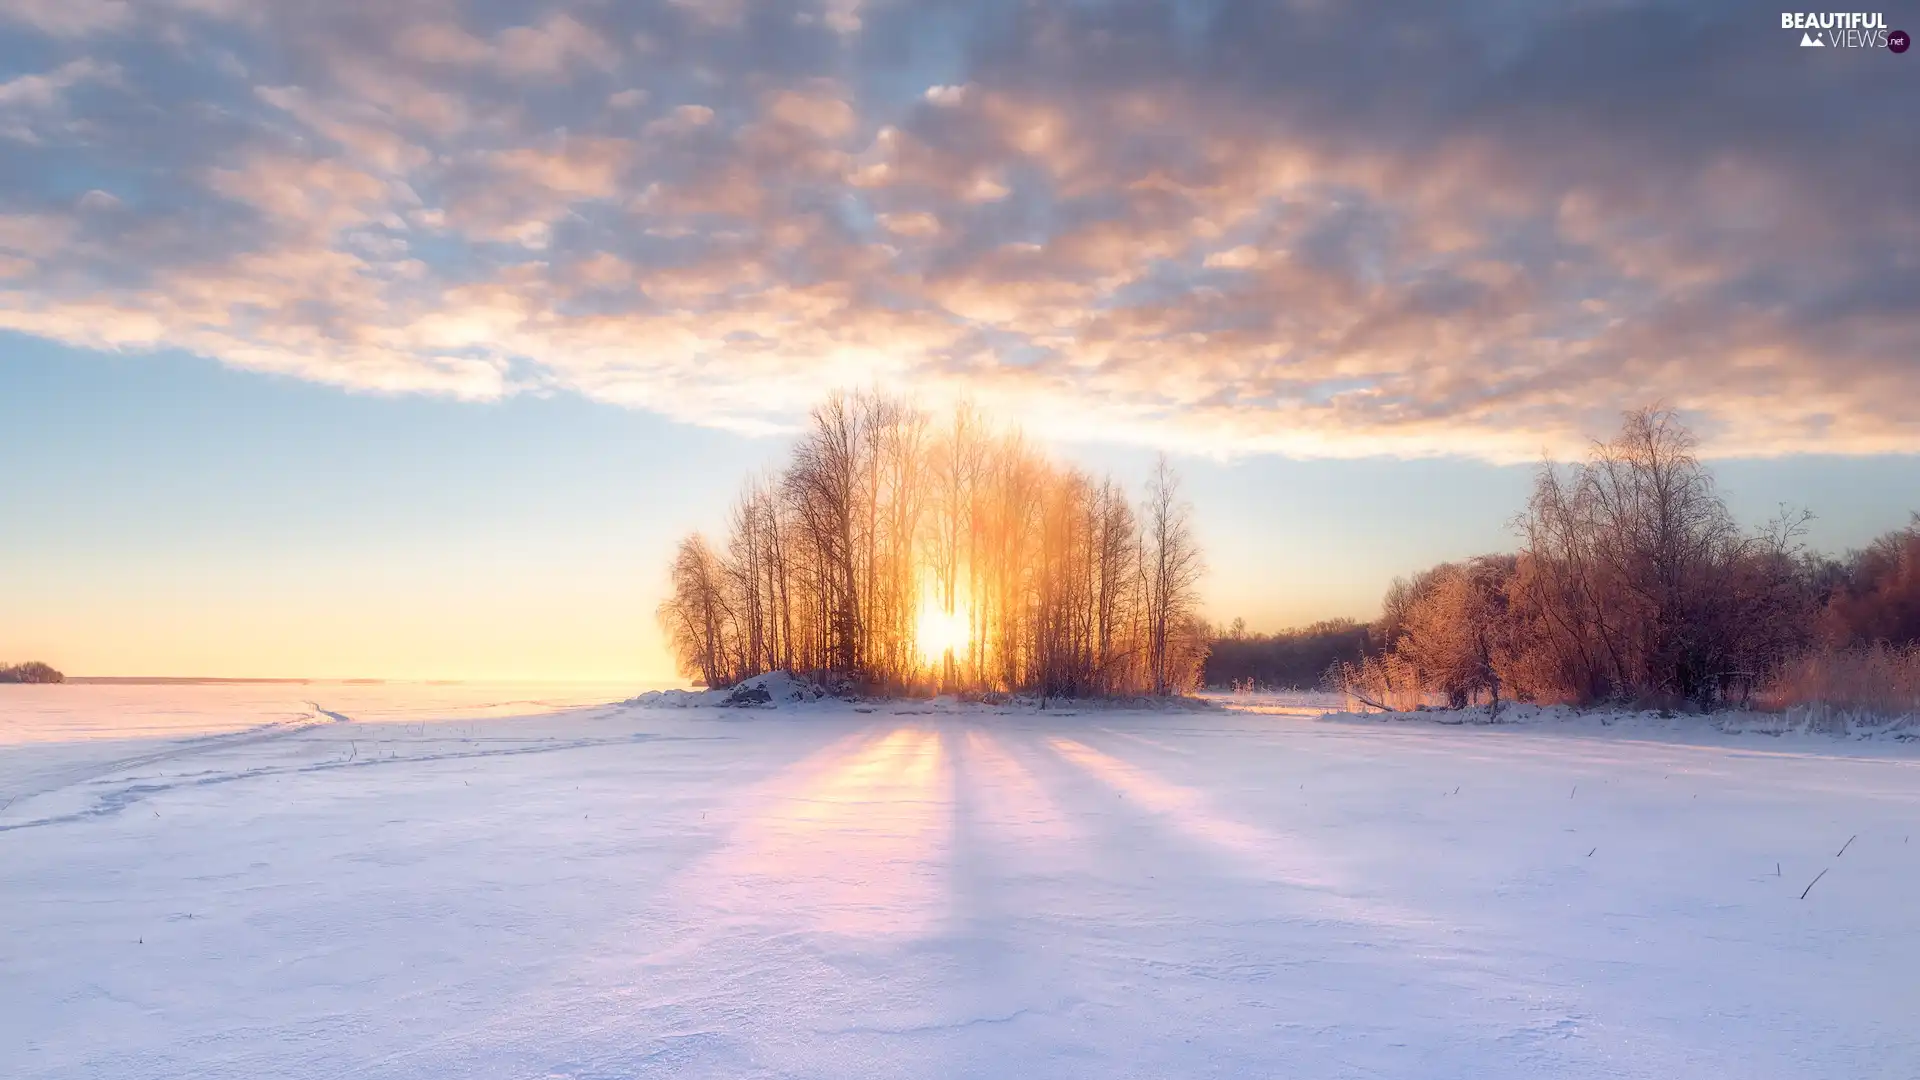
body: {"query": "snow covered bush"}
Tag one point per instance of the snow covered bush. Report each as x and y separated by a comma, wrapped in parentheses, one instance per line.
(31, 672)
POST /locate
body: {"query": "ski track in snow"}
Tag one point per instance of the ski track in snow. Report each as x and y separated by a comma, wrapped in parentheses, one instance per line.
(172, 752)
(941, 892)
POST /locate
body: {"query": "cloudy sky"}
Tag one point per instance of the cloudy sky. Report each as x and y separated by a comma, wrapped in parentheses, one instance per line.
(332, 334)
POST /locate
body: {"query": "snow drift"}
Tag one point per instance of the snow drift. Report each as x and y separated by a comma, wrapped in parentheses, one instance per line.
(771, 690)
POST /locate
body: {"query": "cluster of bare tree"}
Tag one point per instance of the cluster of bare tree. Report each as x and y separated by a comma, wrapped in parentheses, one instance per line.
(1633, 583)
(899, 553)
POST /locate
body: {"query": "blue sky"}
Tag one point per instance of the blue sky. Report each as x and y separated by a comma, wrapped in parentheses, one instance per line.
(170, 516)
(401, 337)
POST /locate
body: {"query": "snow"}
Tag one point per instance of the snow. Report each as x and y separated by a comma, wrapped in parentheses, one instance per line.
(771, 690)
(1810, 726)
(914, 889)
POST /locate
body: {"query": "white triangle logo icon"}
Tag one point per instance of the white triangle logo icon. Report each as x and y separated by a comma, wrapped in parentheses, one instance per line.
(1808, 41)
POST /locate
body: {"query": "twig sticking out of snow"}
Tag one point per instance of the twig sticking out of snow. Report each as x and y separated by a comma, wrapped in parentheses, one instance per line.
(1845, 846)
(1575, 791)
(1811, 884)
(1596, 847)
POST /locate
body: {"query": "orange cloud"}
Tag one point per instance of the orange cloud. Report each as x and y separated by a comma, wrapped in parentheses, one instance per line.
(1231, 243)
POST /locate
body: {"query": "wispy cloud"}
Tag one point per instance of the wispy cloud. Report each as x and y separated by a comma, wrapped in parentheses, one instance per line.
(1324, 229)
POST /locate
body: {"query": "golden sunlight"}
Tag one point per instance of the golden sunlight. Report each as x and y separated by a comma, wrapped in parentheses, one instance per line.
(940, 632)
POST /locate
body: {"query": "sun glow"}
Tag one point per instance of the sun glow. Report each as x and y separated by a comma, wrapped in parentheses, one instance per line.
(939, 632)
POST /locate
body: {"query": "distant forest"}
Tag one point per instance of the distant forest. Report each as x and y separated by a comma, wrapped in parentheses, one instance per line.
(31, 672)
(1296, 659)
(897, 553)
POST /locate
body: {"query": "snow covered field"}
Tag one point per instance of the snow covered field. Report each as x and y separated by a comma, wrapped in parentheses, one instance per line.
(940, 891)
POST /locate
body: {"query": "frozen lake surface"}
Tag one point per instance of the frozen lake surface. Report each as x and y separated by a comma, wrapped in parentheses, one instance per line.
(241, 886)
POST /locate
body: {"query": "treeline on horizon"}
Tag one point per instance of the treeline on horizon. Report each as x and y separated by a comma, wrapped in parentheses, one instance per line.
(1294, 659)
(32, 671)
(1633, 584)
(886, 527)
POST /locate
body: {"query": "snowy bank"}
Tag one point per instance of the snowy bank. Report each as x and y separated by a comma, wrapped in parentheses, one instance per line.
(784, 689)
(1809, 722)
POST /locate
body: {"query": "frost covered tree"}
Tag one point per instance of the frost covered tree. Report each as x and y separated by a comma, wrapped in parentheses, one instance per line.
(1633, 583)
(1638, 584)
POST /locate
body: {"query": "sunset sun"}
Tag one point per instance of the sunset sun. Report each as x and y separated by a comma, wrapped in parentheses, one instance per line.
(939, 632)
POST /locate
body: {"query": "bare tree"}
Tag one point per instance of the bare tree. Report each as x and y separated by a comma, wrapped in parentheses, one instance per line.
(696, 617)
(1172, 567)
